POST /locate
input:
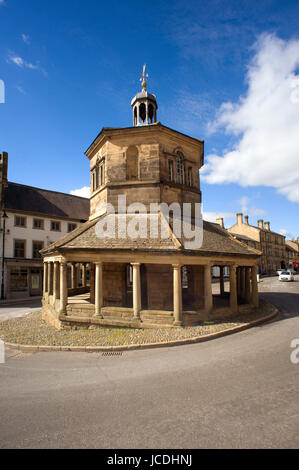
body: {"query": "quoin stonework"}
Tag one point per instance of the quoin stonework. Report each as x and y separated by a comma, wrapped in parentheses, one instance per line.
(150, 280)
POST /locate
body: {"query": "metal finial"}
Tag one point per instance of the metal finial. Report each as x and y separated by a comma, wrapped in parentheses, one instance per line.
(144, 78)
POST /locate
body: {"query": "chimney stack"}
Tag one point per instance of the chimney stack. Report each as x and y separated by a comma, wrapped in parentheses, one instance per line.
(260, 223)
(267, 226)
(246, 219)
(239, 218)
(220, 222)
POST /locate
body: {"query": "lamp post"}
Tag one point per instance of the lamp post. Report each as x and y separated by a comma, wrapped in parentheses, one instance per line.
(4, 217)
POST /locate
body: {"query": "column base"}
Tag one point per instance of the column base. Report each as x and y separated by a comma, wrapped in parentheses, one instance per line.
(178, 323)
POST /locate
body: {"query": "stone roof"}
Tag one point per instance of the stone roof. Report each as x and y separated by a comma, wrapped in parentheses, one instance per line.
(87, 238)
(21, 198)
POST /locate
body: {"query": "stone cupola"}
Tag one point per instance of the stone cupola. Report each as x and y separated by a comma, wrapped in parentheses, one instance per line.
(144, 105)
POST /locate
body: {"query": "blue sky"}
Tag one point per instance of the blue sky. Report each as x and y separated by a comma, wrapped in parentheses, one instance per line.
(72, 67)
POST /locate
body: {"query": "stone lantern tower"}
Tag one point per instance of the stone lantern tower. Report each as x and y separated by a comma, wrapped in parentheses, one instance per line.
(144, 105)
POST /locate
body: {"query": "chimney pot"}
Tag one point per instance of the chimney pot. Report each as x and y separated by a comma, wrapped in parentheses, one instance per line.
(260, 223)
(267, 226)
(239, 218)
(219, 221)
(246, 219)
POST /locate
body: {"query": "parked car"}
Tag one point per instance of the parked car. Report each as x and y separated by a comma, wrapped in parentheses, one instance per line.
(279, 271)
(286, 276)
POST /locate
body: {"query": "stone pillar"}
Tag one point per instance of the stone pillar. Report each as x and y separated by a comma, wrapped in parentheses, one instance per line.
(177, 295)
(50, 278)
(55, 282)
(98, 289)
(247, 285)
(208, 289)
(73, 276)
(233, 288)
(146, 113)
(45, 280)
(138, 114)
(254, 287)
(222, 280)
(136, 290)
(84, 275)
(63, 288)
(91, 281)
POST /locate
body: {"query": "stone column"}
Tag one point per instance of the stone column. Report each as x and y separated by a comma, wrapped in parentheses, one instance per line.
(91, 281)
(55, 281)
(73, 276)
(247, 285)
(63, 288)
(50, 278)
(208, 289)
(146, 113)
(136, 290)
(233, 288)
(177, 295)
(45, 280)
(254, 287)
(138, 114)
(222, 280)
(98, 289)
(84, 275)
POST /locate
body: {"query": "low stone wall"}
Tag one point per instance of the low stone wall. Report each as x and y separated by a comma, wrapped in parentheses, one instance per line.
(50, 315)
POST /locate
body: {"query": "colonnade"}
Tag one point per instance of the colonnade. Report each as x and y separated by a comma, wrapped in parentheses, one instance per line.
(243, 284)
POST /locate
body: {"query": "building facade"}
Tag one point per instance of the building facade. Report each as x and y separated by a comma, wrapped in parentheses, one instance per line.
(271, 244)
(144, 277)
(292, 250)
(33, 219)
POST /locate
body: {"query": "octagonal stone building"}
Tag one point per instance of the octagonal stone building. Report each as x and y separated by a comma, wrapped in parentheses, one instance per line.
(151, 278)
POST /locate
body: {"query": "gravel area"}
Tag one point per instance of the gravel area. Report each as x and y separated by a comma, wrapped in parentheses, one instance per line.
(33, 330)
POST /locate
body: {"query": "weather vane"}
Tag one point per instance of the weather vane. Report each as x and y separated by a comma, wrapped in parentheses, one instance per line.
(144, 78)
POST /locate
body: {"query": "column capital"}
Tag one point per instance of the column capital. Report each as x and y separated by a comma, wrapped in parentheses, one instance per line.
(177, 266)
(135, 264)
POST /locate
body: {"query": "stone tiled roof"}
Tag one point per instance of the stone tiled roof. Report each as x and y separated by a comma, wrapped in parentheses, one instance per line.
(21, 198)
(88, 237)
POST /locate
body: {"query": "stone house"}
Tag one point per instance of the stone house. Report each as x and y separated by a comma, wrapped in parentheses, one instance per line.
(153, 278)
(271, 244)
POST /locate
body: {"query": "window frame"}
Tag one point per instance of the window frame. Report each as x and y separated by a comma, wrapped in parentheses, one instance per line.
(20, 217)
(39, 220)
(69, 225)
(33, 250)
(55, 222)
(18, 240)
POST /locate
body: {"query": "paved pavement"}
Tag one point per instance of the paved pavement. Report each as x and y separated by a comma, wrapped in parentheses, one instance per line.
(239, 391)
(15, 309)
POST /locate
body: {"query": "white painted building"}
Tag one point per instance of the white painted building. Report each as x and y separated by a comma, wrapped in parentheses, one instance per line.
(35, 219)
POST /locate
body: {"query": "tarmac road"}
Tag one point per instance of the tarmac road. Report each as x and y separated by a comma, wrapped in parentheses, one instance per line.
(239, 391)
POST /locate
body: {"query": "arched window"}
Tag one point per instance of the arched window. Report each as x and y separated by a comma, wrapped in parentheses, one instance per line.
(142, 112)
(180, 173)
(132, 163)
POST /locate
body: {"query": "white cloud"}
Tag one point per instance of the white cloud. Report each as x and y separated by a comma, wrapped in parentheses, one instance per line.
(212, 216)
(265, 122)
(248, 209)
(83, 192)
(286, 233)
(25, 38)
(20, 62)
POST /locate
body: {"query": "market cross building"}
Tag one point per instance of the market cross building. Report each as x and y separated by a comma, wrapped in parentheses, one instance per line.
(145, 281)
